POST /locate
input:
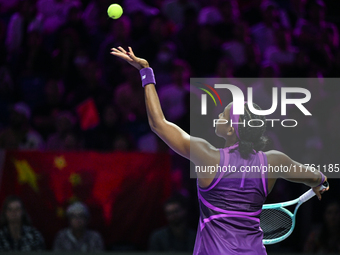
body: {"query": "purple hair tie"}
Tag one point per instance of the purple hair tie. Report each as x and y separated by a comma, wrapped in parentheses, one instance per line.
(147, 76)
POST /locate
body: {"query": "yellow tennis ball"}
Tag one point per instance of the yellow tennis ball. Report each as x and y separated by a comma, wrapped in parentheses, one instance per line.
(115, 11)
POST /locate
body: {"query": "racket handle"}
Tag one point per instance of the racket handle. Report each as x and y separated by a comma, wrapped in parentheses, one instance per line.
(310, 193)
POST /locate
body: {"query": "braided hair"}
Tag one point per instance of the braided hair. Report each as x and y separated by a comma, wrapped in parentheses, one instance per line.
(251, 138)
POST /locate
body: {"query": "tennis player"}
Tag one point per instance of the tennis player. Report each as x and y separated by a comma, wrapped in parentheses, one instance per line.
(229, 207)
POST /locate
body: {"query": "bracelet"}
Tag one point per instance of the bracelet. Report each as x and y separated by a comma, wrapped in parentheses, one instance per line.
(147, 76)
(323, 177)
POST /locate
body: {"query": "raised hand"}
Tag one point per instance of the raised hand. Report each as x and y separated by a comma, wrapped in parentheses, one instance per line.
(130, 57)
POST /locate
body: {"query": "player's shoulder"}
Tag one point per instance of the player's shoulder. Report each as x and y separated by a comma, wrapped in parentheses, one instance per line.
(274, 153)
(204, 153)
(202, 143)
(275, 157)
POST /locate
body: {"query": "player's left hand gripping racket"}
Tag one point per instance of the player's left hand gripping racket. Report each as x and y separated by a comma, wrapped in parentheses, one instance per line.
(278, 222)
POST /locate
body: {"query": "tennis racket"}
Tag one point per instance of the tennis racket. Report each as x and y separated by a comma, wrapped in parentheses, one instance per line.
(277, 222)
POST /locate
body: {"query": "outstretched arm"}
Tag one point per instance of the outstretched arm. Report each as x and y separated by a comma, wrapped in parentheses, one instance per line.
(199, 151)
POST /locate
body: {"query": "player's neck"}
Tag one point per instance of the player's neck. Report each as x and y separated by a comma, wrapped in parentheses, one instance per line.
(229, 143)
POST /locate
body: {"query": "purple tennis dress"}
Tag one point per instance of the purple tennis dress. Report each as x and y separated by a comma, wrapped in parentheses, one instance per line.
(230, 208)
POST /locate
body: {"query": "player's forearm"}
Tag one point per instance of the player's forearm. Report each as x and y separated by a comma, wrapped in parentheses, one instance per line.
(307, 175)
(311, 178)
(153, 107)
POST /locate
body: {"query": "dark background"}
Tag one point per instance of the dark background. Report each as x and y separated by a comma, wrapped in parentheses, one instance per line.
(54, 55)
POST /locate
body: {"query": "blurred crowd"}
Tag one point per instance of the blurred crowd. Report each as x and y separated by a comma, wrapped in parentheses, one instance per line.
(56, 70)
(18, 234)
(60, 89)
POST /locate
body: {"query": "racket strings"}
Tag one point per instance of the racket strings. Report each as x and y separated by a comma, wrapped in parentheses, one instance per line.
(275, 223)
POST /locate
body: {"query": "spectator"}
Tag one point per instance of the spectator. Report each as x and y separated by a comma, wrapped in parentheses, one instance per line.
(163, 62)
(93, 13)
(236, 48)
(204, 63)
(129, 102)
(75, 22)
(126, 98)
(72, 142)
(300, 67)
(176, 236)
(174, 9)
(101, 137)
(122, 143)
(7, 6)
(20, 22)
(316, 23)
(77, 237)
(263, 33)
(16, 232)
(63, 64)
(210, 15)
(139, 24)
(54, 13)
(19, 134)
(91, 85)
(159, 32)
(139, 6)
(172, 95)
(252, 67)
(44, 115)
(3, 51)
(119, 35)
(282, 53)
(35, 60)
(326, 238)
(6, 93)
(296, 11)
(230, 17)
(187, 36)
(64, 124)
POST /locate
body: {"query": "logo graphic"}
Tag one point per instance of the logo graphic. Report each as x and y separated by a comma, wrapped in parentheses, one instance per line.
(204, 98)
(238, 101)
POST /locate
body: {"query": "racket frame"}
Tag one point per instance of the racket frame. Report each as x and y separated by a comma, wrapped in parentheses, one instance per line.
(280, 206)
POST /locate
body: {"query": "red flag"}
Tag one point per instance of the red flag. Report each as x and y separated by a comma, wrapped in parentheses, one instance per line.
(88, 114)
(124, 191)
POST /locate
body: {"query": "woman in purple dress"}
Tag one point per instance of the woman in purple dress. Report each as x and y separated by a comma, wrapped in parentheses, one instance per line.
(230, 207)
